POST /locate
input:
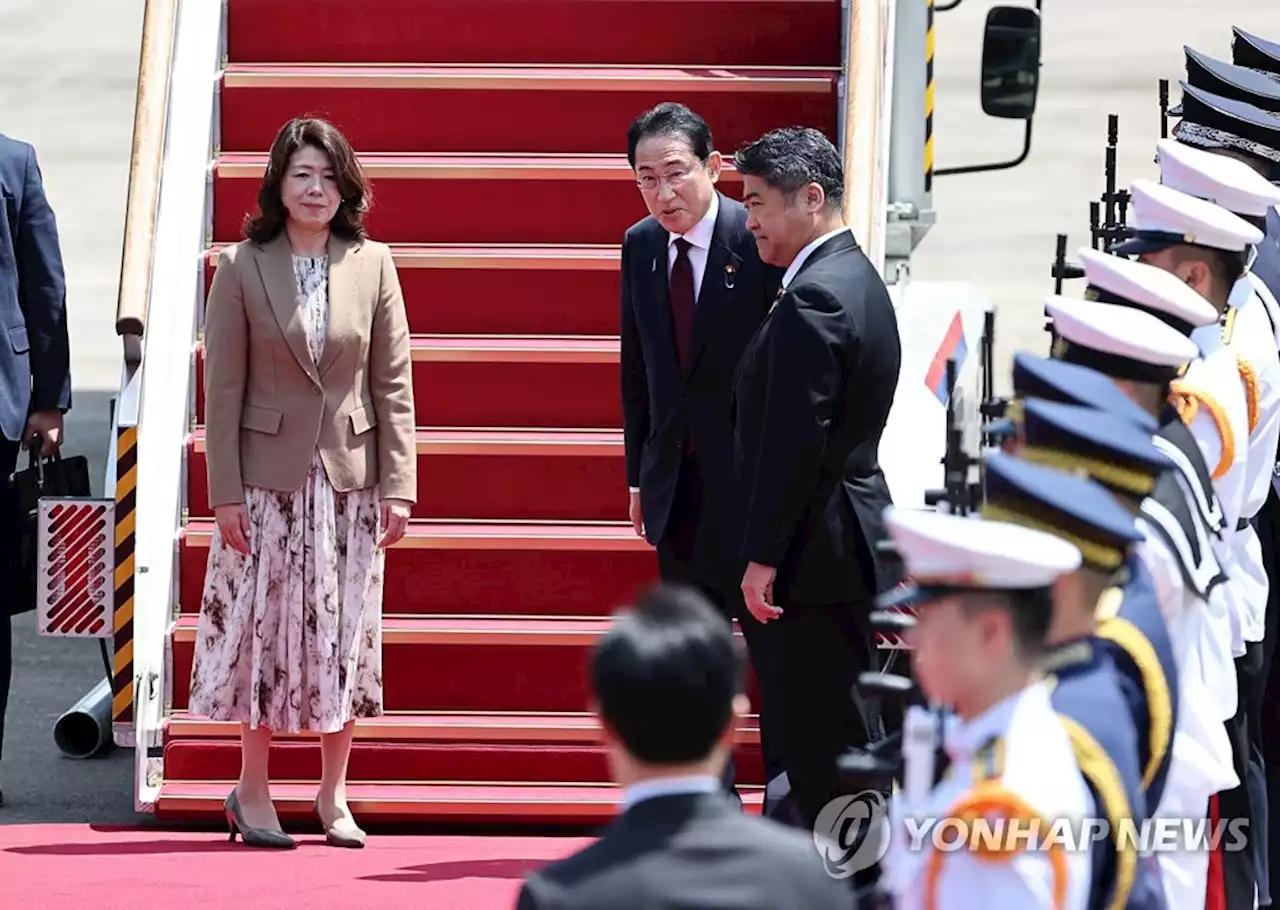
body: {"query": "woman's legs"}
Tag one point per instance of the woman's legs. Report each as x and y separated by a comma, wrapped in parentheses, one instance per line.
(331, 800)
(253, 789)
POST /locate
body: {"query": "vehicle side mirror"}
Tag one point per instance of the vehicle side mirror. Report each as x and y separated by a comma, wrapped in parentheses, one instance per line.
(1011, 62)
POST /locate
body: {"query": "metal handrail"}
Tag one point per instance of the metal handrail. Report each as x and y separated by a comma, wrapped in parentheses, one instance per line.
(146, 161)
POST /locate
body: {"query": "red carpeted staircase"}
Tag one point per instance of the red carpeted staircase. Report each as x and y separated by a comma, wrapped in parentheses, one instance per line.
(494, 134)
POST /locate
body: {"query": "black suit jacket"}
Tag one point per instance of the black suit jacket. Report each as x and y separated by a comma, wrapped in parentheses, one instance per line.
(811, 399)
(35, 354)
(688, 852)
(661, 404)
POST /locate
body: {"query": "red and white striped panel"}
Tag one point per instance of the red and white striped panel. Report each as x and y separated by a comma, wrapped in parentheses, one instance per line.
(76, 567)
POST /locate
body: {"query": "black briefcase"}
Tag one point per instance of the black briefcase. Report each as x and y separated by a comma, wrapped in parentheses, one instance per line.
(51, 475)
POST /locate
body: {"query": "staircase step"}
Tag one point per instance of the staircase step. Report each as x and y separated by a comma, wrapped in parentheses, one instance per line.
(491, 802)
(496, 727)
(444, 568)
(546, 748)
(463, 663)
(554, 381)
(532, 109)
(504, 289)
(624, 32)
(472, 199)
(371, 761)
(516, 474)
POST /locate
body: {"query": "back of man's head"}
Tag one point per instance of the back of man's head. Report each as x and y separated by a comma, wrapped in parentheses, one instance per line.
(665, 677)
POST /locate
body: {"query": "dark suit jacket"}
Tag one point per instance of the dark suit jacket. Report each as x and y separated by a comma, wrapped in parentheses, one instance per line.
(660, 404)
(811, 399)
(35, 354)
(687, 852)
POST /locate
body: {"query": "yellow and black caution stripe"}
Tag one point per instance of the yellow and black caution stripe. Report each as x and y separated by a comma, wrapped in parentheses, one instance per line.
(928, 103)
(126, 529)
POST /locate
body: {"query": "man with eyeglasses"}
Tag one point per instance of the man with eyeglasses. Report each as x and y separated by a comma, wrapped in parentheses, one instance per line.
(693, 293)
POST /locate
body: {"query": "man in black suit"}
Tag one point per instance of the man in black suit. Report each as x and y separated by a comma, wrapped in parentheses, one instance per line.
(35, 354)
(667, 682)
(693, 293)
(811, 399)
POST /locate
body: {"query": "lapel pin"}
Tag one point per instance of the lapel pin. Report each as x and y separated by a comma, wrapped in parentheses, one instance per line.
(730, 276)
(654, 267)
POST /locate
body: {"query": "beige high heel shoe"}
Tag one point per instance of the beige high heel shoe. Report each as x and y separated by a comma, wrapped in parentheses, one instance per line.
(335, 838)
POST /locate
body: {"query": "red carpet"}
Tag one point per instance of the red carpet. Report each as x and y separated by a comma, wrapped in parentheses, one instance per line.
(74, 867)
(494, 134)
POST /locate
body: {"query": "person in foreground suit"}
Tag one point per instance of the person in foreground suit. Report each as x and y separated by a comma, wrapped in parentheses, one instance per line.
(35, 352)
(693, 293)
(811, 398)
(667, 684)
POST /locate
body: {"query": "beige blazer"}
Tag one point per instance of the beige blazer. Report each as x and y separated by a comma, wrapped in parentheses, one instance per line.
(268, 406)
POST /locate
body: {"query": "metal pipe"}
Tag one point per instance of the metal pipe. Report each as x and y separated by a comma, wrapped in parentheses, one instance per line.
(85, 729)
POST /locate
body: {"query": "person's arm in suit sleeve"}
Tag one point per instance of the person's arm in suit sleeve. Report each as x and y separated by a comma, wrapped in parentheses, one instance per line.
(42, 294)
(391, 385)
(635, 382)
(805, 376)
(226, 361)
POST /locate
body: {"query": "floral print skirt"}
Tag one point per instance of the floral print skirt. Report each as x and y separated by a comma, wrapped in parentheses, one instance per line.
(290, 636)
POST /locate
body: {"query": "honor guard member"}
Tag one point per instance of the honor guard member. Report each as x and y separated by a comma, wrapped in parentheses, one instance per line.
(984, 602)
(1244, 131)
(1125, 461)
(1250, 329)
(1089, 688)
(1143, 355)
(1194, 240)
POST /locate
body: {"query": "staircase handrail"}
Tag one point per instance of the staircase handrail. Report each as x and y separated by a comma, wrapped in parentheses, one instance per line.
(145, 163)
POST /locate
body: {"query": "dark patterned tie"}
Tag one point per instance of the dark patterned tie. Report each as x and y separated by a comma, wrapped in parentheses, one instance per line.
(681, 294)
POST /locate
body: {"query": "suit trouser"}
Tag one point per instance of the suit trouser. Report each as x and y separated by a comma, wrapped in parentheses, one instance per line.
(676, 565)
(10, 522)
(818, 652)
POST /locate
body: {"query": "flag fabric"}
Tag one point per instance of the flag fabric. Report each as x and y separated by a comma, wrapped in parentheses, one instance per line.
(953, 345)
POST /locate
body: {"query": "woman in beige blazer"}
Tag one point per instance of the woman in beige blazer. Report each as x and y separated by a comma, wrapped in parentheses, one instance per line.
(310, 440)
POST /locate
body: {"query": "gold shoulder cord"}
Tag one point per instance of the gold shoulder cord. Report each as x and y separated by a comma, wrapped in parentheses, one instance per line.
(1098, 768)
(991, 798)
(1252, 394)
(1187, 399)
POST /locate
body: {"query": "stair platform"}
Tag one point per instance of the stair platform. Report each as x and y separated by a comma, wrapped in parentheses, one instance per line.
(502, 289)
(544, 199)
(529, 109)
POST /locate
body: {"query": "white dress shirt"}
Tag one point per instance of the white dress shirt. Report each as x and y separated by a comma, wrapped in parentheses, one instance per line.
(806, 251)
(668, 786)
(699, 237)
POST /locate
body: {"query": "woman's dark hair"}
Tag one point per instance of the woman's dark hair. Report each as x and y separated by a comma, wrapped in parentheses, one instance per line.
(356, 194)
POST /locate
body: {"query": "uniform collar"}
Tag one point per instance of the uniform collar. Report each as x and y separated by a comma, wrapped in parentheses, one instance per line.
(701, 233)
(806, 251)
(967, 737)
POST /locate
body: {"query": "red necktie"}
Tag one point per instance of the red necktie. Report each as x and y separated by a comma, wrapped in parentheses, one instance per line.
(681, 294)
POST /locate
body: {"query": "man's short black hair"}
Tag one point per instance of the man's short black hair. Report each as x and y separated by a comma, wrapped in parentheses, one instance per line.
(665, 676)
(1030, 613)
(791, 158)
(672, 120)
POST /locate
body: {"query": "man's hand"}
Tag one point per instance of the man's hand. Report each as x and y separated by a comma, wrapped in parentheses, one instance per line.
(395, 521)
(233, 525)
(757, 590)
(637, 516)
(48, 426)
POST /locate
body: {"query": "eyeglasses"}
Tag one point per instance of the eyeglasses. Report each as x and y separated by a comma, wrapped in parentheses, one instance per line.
(651, 182)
